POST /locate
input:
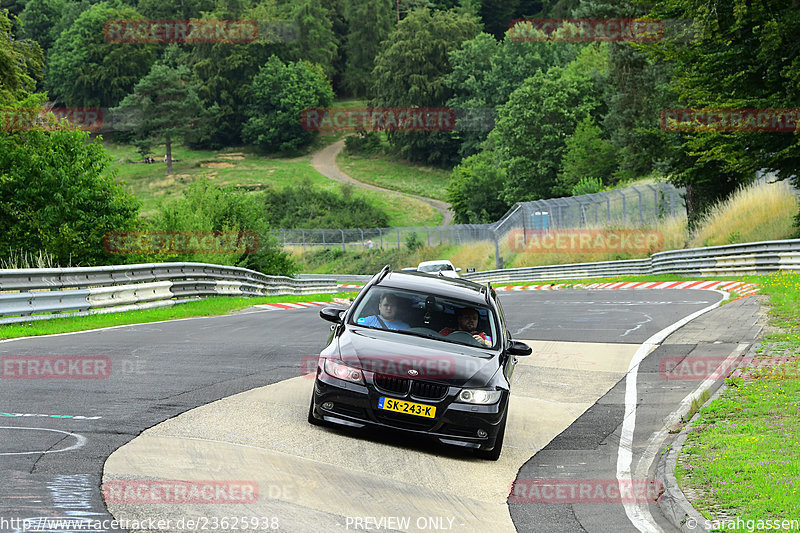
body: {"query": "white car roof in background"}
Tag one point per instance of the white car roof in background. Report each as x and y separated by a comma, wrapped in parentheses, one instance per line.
(437, 262)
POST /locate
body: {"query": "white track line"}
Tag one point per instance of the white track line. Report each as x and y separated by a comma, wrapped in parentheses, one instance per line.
(640, 517)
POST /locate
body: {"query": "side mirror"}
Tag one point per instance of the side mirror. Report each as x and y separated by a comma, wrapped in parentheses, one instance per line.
(519, 348)
(458, 269)
(331, 314)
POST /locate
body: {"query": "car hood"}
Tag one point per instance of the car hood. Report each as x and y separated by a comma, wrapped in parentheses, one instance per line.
(394, 354)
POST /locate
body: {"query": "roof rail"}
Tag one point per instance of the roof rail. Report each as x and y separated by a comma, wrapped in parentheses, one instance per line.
(383, 273)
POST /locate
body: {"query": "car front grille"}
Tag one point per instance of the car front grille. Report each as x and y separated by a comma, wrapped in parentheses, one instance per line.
(428, 390)
(392, 384)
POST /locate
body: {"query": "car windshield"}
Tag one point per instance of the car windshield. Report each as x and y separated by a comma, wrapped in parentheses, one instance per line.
(435, 268)
(427, 315)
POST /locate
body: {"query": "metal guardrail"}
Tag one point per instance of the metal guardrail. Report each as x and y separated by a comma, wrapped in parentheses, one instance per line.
(341, 278)
(84, 290)
(79, 291)
(634, 267)
(752, 258)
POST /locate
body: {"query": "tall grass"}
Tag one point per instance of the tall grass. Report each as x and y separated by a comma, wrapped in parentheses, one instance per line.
(23, 259)
(673, 235)
(758, 212)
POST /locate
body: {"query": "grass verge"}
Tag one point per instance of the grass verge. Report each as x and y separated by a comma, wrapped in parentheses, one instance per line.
(246, 169)
(391, 172)
(740, 459)
(213, 306)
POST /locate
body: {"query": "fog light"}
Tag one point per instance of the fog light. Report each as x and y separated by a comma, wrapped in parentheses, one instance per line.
(328, 406)
(482, 433)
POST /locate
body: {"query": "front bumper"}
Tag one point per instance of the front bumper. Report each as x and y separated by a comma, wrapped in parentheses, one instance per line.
(455, 423)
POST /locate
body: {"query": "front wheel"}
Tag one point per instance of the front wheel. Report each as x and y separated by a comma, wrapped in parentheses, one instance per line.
(494, 453)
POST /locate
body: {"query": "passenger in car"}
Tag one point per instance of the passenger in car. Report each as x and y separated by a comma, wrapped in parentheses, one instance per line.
(387, 314)
(468, 321)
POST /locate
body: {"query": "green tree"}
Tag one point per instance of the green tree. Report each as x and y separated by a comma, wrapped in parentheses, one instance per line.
(207, 207)
(224, 72)
(59, 196)
(186, 9)
(85, 70)
(369, 24)
(636, 93)
(161, 108)
(475, 189)
(307, 206)
(278, 95)
(534, 124)
(410, 72)
(70, 12)
(587, 186)
(39, 19)
(733, 55)
(486, 72)
(12, 7)
(20, 64)
(587, 155)
(316, 41)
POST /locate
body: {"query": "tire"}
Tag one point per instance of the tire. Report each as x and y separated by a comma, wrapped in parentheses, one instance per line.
(494, 453)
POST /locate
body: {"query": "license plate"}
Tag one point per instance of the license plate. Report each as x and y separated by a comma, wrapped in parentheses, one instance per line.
(409, 408)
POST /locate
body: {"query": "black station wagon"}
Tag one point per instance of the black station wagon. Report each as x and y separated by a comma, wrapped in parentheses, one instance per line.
(423, 354)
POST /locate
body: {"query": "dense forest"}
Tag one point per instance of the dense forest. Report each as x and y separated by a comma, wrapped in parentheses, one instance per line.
(568, 116)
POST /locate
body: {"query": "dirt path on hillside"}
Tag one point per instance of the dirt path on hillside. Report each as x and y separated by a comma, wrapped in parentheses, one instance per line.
(324, 161)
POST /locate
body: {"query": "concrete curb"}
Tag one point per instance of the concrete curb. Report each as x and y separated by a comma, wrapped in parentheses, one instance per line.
(673, 502)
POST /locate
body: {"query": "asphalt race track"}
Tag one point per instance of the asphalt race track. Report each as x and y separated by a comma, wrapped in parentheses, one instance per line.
(582, 411)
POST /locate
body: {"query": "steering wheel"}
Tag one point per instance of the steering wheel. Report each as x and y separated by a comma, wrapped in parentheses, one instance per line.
(463, 336)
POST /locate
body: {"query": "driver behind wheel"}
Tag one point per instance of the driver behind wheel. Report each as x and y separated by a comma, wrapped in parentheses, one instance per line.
(468, 321)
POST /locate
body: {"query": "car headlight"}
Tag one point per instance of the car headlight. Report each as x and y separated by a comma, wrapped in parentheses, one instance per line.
(340, 370)
(479, 396)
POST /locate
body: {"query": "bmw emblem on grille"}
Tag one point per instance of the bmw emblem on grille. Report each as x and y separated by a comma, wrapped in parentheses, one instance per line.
(413, 372)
